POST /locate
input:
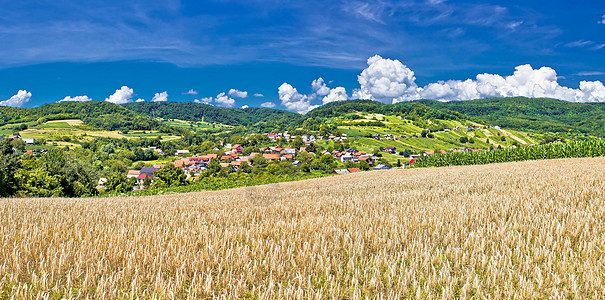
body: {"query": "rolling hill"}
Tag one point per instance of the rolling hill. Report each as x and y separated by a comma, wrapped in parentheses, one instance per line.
(536, 114)
(189, 111)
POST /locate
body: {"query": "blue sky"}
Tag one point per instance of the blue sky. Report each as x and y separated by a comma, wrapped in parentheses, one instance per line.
(54, 49)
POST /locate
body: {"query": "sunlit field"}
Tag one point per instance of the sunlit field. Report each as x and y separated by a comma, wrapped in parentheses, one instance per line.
(514, 230)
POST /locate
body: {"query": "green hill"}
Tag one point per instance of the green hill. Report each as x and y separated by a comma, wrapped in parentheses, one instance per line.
(538, 114)
(189, 111)
(97, 114)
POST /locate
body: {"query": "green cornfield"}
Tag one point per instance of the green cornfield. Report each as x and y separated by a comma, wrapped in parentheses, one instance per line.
(574, 149)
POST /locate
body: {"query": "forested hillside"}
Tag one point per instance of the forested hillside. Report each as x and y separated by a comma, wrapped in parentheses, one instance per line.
(538, 114)
(340, 108)
(189, 111)
(98, 114)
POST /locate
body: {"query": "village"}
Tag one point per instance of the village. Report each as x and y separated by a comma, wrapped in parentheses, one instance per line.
(232, 157)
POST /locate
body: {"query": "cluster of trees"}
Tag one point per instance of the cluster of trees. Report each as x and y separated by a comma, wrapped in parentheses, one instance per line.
(57, 173)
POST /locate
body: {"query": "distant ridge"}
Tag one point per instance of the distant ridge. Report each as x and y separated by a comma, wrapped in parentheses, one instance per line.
(521, 113)
(190, 111)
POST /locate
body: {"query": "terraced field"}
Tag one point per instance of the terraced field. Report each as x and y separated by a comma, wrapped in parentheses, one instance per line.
(523, 230)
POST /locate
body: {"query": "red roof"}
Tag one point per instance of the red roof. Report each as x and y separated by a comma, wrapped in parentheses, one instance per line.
(353, 170)
(142, 176)
(271, 156)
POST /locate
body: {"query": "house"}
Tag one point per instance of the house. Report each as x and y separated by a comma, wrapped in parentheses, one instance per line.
(29, 141)
(181, 152)
(237, 148)
(141, 178)
(271, 156)
(381, 167)
(287, 157)
(290, 150)
(391, 150)
(353, 170)
(340, 171)
(346, 158)
(149, 171)
(101, 183)
(14, 137)
(133, 174)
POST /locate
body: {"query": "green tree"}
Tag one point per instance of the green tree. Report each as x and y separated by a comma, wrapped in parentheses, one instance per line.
(171, 175)
(19, 144)
(9, 164)
(298, 142)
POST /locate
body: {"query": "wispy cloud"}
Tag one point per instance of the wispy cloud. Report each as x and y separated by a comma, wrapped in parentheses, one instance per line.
(579, 44)
(190, 92)
(590, 73)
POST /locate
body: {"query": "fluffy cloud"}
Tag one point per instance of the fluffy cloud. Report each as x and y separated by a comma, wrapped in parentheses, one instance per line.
(319, 87)
(291, 99)
(205, 100)
(76, 98)
(160, 97)
(259, 95)
(190, 92)
(336, 94)
(525, 81)
(390, 81)
(386, 80)
(17, 100)
(238, 93)
(267, 104)
(223, 100)
(121, 96)
(245, 106)
(140, 100)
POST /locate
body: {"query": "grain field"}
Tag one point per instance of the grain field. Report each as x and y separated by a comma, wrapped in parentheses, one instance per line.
(514, 230)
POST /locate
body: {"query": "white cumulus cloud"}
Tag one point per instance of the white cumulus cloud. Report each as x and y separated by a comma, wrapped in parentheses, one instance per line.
(76, 98)
(140, 100)
(336, 94)
(390, 81)
(319, 87)
(205, 100)
(293, 100)
(238, 93)
(160, 97)
(245, 106)
(17, 100)
(121, 96)
(223, 100)
(267, 104)
(385, 80)
(525, 81)
(190, 92)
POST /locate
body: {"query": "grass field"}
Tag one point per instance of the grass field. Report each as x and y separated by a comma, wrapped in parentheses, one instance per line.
(523, 230)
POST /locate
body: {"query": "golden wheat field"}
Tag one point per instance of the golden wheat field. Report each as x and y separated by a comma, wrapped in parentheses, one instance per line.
(513, 230)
